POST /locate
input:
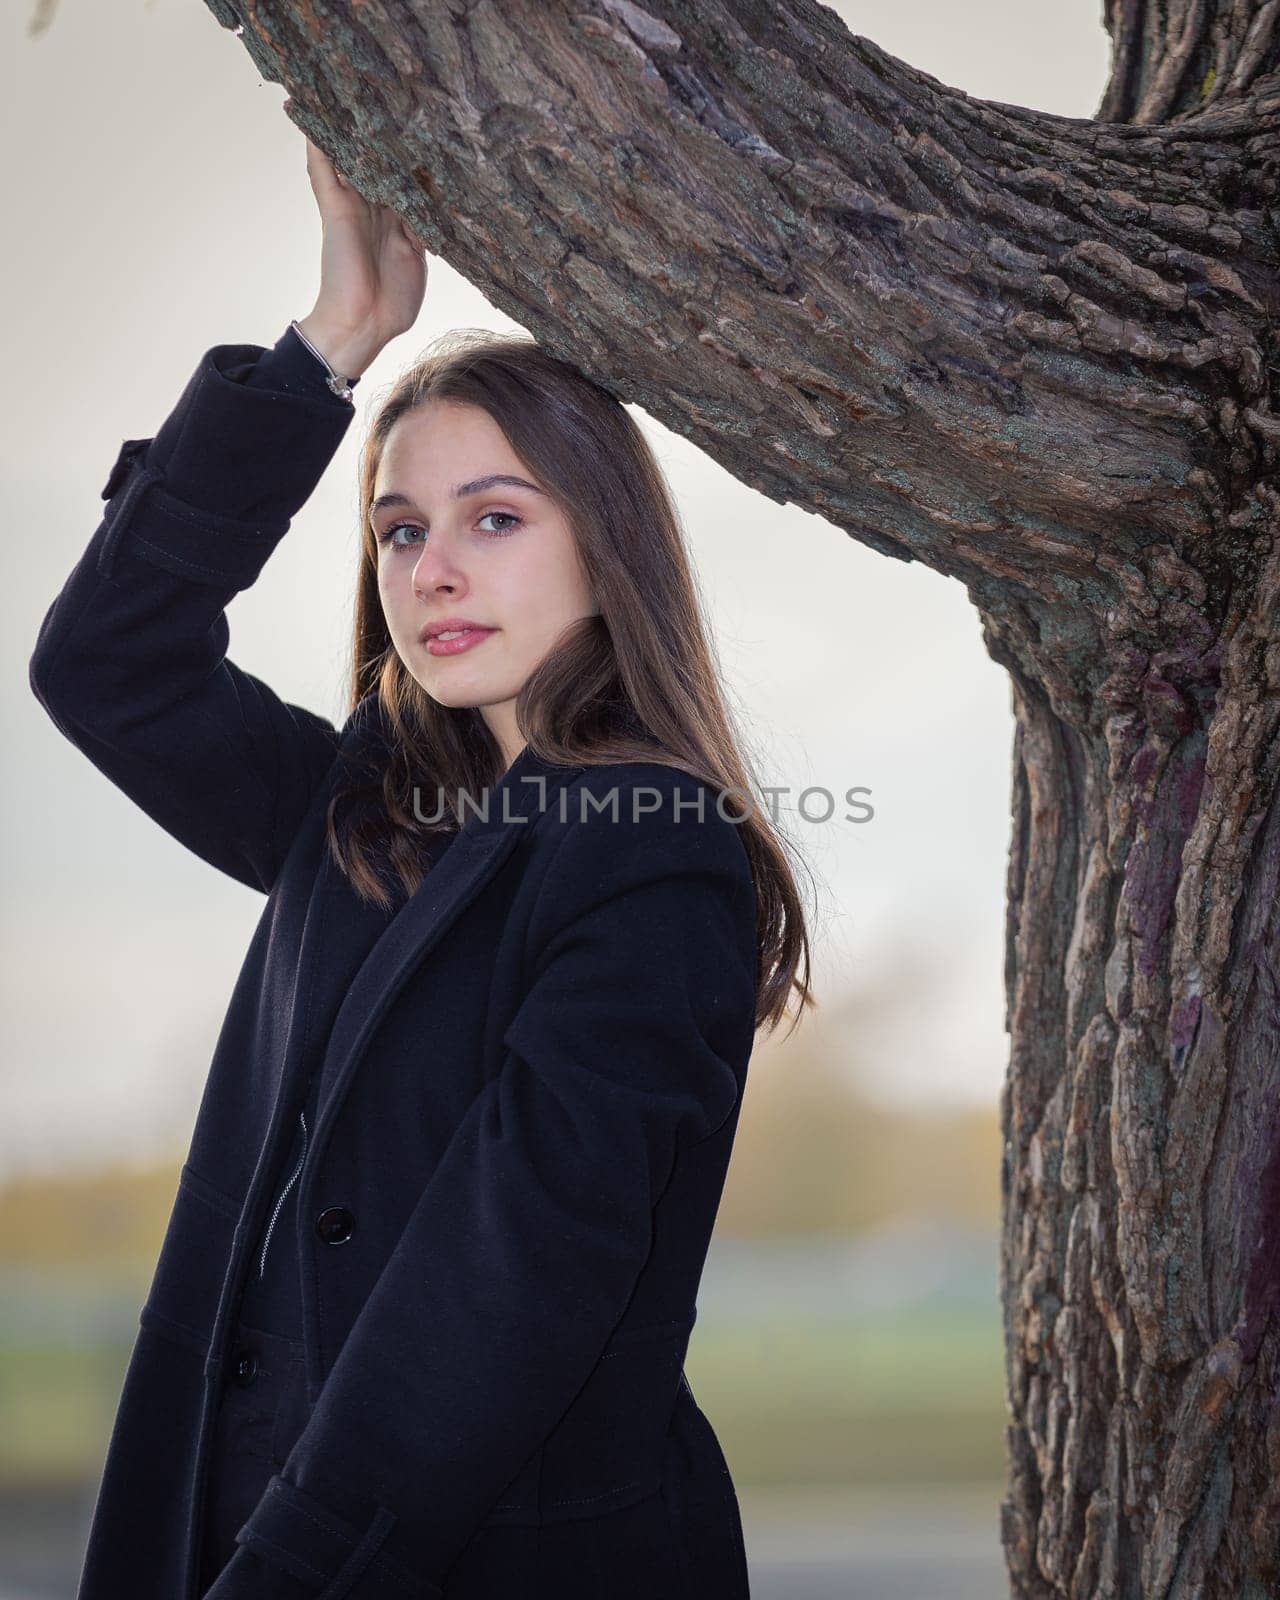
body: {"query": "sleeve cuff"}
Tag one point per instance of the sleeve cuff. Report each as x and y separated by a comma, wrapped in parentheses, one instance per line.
(247, 452)
(294, 1533)
(212, 494)
(179, 538)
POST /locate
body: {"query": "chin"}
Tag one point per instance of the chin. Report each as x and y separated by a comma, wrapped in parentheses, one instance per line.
(455, 700)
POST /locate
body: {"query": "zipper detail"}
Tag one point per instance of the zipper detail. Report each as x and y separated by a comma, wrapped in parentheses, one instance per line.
(283, 1196)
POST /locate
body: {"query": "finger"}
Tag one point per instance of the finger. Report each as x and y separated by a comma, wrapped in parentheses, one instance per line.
(324, 176)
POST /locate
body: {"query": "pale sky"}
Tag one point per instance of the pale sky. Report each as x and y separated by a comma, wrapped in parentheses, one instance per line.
(158, 205)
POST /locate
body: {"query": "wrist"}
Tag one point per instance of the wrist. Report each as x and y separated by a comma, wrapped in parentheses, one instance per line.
(349, 354)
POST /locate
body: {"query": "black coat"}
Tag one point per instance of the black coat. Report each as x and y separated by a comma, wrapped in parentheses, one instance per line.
(527, 1097)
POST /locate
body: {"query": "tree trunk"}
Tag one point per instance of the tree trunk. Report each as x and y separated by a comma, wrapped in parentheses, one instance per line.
(1039, 354)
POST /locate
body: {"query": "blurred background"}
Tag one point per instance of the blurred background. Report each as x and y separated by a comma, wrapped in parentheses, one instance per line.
(848, 1345)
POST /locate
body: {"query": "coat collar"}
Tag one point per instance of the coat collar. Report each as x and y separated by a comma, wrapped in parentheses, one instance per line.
(502, 814)
(526, 789)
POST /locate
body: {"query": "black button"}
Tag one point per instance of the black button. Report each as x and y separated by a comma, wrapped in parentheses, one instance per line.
(246, 1368)
(335, 1225)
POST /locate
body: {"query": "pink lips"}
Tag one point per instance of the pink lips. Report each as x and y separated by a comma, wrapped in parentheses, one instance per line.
(464, 641)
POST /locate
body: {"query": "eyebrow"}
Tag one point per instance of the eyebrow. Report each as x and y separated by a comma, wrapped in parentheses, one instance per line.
(460, 491)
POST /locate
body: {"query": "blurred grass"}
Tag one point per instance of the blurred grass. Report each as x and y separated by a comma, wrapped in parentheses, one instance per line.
(910, 1398)
(56, 1408)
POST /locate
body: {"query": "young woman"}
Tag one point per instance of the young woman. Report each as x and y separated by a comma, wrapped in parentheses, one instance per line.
(420, 1316)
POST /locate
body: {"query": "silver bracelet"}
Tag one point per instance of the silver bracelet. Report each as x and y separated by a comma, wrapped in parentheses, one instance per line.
(340, 386)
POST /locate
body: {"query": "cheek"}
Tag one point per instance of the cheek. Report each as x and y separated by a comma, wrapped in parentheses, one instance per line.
(553, 580)
(393, 589)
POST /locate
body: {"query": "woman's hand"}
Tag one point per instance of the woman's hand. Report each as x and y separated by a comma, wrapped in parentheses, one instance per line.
(373, 272)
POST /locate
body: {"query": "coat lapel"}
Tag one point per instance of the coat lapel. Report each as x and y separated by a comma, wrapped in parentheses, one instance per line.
(467, 864)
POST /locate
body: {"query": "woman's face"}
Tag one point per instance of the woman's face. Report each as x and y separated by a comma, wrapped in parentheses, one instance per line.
(457, 543)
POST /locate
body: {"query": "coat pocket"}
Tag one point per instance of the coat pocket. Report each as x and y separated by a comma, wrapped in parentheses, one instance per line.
(182, 1302)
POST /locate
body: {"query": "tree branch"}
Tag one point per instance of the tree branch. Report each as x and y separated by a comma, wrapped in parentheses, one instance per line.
(1018, 347)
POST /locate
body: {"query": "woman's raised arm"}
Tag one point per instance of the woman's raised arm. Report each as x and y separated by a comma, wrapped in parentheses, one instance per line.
(131, 661)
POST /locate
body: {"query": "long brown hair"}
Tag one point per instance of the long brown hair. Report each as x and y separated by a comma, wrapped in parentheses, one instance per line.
(638, 682)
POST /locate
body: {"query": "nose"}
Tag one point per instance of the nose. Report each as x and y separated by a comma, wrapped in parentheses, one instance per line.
(437, 570)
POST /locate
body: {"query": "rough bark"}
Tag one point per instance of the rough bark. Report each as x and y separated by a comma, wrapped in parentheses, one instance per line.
(1036, 353)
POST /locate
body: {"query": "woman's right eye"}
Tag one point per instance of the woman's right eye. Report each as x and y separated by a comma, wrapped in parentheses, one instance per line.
(388, 536)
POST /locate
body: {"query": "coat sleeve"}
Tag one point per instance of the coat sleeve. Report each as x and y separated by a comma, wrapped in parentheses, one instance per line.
(519, 1258)
(130, 662)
